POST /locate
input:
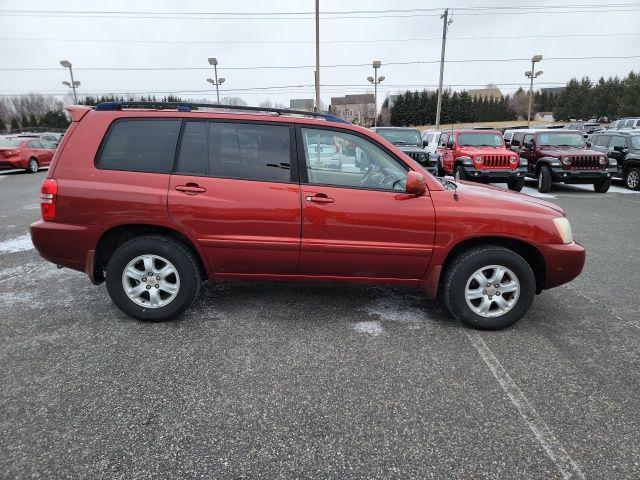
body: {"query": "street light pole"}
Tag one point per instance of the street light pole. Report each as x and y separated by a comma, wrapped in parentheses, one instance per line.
(445, 26)
(317, 72)
(73, 84)
(532, 74)
(214, 61)
(375, 80)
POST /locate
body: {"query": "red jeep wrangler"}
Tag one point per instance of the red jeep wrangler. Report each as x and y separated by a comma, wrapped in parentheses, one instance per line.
(154, 198)
(481, 156)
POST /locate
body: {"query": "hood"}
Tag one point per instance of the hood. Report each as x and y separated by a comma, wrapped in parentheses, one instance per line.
(473, 151)
(409, 148)
(505, 199)
(560, 151)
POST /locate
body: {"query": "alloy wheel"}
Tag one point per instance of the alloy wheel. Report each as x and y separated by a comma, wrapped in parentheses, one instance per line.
(492, 291)
(151, 281)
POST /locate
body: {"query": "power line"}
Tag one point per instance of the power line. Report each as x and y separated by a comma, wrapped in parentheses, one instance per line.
(292, 42)
(343, 65)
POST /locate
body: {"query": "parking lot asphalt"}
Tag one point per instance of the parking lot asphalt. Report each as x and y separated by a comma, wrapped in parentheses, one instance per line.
(301, 381)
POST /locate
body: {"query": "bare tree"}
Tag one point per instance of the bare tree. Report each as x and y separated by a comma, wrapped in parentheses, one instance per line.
(519, 103)
(237, 101)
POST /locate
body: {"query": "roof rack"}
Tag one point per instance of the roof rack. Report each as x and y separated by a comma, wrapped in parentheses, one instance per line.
(188, 107)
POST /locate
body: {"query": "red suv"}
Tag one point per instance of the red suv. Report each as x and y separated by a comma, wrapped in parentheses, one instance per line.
(481, 156)
(28, 153)
(155, 198)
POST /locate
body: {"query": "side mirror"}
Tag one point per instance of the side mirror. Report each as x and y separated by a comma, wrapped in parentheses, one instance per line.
(515, 143)
(415, 183)
(449, 144)
(618, 148)
(588, 143)
(425, 143)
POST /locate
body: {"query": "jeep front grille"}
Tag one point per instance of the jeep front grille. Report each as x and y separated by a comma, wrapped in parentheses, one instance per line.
(496, 161)
(585, 162)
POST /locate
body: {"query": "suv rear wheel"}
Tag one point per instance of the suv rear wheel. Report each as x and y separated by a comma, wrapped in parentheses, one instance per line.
(153, 278)
(489, 287)
(632, 178)
(544, 179)
(460, 173)
(602, 186)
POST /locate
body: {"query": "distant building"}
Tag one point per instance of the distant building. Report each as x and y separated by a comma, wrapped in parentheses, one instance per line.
(359, 109)
(301, 104)
(492, 93)
(553, 90)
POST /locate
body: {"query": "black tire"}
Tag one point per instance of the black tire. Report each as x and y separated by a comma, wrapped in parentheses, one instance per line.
(176, 253)
(632, 178)
(515, 184)
(33, 165)
(544, 179)
(440, 171)
(460, 272)
(460, 173)
(603, 186)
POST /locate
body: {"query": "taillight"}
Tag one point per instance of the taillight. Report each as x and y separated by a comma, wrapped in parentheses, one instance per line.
(48, 194)
(10, 153)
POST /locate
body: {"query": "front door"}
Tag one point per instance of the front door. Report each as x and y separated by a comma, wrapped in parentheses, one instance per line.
(358, 222)
(233, 188)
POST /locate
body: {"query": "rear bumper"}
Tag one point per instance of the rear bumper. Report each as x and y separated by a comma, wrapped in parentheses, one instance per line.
(563, 263)
(63, 244)
(581, 176)
(497, 176)
(12, 164)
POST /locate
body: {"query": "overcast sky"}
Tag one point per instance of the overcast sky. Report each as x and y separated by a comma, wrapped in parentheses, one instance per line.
(109, 41)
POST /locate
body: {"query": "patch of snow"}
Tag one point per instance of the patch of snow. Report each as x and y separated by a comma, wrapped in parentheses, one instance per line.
(16, 244)
(31, 207)
(371, 328)
(397, 308)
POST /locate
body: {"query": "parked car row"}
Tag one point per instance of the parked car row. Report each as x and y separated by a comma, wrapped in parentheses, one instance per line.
(623, 147)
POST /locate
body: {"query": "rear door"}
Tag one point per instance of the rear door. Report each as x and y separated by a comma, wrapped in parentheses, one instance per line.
(358, 222)
(235, 188)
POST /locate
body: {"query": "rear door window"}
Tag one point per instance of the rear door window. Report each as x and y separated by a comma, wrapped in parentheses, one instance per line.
(34, 144)
(617, 141)
(601, 141)
(139, 145)
(243, 151)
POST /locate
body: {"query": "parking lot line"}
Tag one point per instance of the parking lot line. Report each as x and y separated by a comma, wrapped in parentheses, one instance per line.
(551, 445)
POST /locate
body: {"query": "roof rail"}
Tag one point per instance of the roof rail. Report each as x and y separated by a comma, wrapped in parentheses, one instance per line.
(188, 106)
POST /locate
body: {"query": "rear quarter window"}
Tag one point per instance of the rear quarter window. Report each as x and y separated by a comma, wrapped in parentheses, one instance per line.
(139, 145)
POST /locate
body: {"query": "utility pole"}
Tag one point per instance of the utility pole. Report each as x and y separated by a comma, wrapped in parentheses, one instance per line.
(317, 72)
(375, 80)
(532, 74)
(445, 25)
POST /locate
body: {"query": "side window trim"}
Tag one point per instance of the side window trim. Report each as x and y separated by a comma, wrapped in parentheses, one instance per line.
(293, 154)
(302, 159)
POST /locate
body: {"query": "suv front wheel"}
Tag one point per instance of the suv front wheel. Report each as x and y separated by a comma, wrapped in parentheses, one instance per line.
(153, 278)
(632, 178)
(489, 287)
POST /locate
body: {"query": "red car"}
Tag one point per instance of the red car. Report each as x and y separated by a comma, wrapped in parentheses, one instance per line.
(481, 156)
(155, 198)
(28, 153)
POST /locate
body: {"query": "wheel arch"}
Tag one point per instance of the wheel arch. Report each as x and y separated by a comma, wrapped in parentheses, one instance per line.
(115, 236)
(548, 161)
(529, 252)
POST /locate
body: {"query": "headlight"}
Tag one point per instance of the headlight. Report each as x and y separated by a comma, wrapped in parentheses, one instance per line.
(513, 160)
(566, 160)
(479, 159)
(564, 229)
(603, 161)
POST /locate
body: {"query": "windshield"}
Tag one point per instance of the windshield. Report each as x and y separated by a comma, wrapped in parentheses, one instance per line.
(480, 140)
(635, 141)
(10, 142)
(561, 140)
(401, 137)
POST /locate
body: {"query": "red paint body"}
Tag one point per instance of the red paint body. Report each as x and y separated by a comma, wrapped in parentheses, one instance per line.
(18, 157)
(254, 230)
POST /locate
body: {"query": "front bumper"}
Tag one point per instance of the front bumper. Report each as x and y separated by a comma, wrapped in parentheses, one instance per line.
(563, 263)
(581, 176)
(497, 176)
